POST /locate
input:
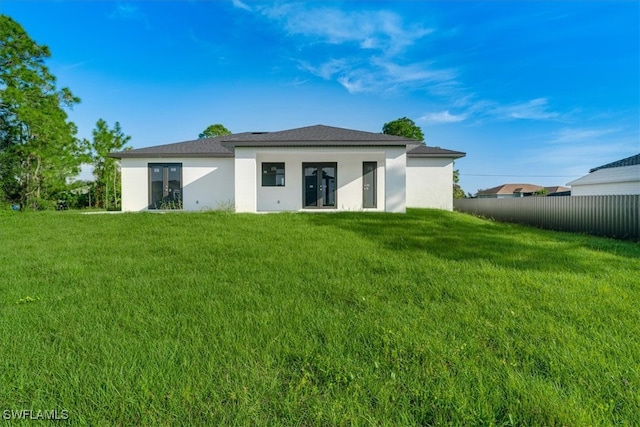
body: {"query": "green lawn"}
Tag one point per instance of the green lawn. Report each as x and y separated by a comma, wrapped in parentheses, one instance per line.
(316, 319)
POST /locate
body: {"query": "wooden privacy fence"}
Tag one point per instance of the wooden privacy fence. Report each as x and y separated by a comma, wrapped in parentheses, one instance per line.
(611, 216)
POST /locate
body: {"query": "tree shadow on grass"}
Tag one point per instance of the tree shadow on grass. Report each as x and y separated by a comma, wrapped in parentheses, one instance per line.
(462, 237)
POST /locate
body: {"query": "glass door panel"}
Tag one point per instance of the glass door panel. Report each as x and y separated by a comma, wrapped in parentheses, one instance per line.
(369, 184)
(156, 177)
(165, 186)
(328, 186)
(320, 185)
(174, 185)
(310, 186)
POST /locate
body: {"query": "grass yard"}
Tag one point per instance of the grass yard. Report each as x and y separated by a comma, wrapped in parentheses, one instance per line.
(316, 319)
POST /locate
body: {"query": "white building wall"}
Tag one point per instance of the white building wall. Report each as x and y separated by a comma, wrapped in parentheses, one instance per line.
(395, 180)
(245, 179)
(207, 183)
(251, 196)
(614, 188)
(430, 183)
(610, 181)
(135, 184)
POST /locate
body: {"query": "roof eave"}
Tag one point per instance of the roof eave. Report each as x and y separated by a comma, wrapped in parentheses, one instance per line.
(125, 155)
(314, 144)
(437, 155)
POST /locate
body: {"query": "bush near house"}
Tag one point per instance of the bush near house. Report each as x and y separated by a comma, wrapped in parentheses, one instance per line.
(213, 318)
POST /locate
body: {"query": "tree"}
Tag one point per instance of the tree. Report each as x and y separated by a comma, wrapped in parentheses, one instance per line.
(458, 192)
(38, 147)
(214, 130)
(106, 169)
(403, 127)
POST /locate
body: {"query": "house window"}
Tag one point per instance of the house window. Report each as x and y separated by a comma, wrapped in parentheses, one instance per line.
(273, 174)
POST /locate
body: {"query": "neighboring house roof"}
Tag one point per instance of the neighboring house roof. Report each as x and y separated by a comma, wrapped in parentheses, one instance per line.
(506, 189)
(557, 189)
(511, 189)
(610, 175)
(310, 136)
(629, 161)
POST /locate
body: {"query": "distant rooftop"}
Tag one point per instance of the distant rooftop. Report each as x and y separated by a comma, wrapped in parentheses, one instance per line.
(629, 161)
(505, 189)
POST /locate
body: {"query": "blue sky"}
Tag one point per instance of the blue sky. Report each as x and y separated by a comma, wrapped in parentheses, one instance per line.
(533, 92)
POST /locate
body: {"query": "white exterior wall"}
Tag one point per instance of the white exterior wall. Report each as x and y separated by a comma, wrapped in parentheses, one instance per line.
(615, 188)
(396, 179)
(610, 181)
(430, 183)
(251, 196)
(207, 183)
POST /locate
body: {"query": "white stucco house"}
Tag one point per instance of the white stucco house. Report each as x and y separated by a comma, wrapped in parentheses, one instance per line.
(619, 177)
(305, 169)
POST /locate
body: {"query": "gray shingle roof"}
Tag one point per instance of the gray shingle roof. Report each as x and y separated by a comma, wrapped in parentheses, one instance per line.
(310, 136)
(206, 147)
(629, 161)
(424, 151)
(318, 135)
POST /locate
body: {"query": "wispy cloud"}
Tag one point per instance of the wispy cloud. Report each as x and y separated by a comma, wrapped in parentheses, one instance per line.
(375, 40)
(571, 135)
(241, 5)
(129, 12)
(573, 151)
(481, 110)
(442, 117)
(535, 109)
(373, 51)
(378, 75)
(74, 65)
(381, 30)
(326, 70)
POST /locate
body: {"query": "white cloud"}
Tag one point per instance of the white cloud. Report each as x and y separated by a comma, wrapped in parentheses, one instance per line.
(377, 75)
(381, 30)
(326, 70)
(129, 12)
(442, 117)
(241, 5)
(483, 109)
(375, 40)
(568, 135)
(536, 109)
(416, 72)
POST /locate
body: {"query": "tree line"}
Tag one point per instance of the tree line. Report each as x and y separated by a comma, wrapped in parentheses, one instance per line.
(39, 150)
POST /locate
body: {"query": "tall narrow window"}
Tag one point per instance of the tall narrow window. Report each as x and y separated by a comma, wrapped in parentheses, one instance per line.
(369, 184)
(273, 174)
